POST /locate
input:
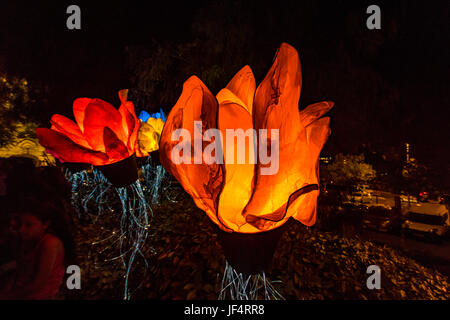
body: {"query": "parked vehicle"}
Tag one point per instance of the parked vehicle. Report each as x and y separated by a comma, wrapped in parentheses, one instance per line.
(429, 220)
(382, 219)
(360, 197)
(408, 199)
(423, 196)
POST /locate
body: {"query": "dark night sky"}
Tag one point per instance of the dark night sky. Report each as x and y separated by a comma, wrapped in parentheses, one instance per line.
(390, 86)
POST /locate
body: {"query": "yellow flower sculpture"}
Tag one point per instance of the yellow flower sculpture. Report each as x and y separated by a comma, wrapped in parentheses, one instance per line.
(149, 132)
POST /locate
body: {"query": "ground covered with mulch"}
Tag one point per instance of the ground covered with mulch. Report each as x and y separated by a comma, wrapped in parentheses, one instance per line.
(185, 261)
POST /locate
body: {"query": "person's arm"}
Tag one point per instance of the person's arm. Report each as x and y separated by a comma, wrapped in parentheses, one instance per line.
(45, 262)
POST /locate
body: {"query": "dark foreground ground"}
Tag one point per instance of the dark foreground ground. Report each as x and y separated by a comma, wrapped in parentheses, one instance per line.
(186, 262)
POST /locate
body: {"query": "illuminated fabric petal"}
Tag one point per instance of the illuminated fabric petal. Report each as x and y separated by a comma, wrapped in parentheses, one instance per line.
(115, 148)
(127, 117)
(276, 107)
(314, 112)
(130, 122)
(157, 124)
(98, 115)
(133, 136)
(239, 164)
(280, 89)
(301, 205)
(140, 153)
(144, 115)
(69, 128)
(79, 108)
(148, 139)
(226, 96)
(243, 86)
(202, 181)
(123, 96)
(149, 135)
(162, 115)
(317, 134)
(66, 150)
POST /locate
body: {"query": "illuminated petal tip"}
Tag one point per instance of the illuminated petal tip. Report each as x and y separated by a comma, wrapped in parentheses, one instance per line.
(123, 95)
(314, 111)
(243, 86)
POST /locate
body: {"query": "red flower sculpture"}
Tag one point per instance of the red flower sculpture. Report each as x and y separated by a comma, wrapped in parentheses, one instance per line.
(101, 135)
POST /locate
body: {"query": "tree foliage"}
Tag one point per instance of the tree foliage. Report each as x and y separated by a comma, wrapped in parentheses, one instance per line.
(14, 96)
(416, 177)
(349, 170)
(20, 105)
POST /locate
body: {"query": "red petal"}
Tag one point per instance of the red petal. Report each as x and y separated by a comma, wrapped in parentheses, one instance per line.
(100, 114)
(127, 120)
(115, 149)
(69, 128)
(79, 108)
(66, 150)
(131, 124)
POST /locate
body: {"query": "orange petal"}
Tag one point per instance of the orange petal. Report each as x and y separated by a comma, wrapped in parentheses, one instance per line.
(301, 205)
(243, 85)
(140, 153)
(66, 150)
(202, 181)
(304, 208)
(314, 112)
(276, 107)
(238, 185)
(69, 128)
(115, 149)
(317, 134)
(280, 90)
(226, 96)
(100, 114)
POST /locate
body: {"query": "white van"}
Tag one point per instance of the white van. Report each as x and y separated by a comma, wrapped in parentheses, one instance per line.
(429, 219)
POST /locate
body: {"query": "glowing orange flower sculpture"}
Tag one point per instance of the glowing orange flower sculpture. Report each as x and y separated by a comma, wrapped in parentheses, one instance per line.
(101, 135)
(237, 197)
